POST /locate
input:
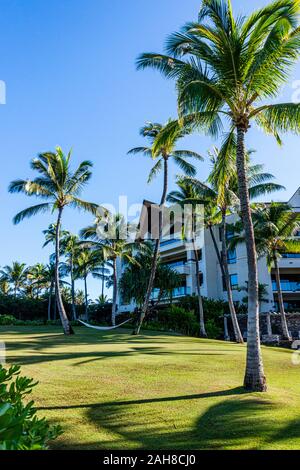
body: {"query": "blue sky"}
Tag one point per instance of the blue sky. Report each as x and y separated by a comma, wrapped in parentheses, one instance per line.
(69, 68)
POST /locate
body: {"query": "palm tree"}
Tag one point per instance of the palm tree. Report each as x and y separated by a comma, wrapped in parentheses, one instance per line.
(103, 275)
(16, 275)
(86, 261)
(111, 244)
(60, 187)
(274, 227)
(221, 192)
(70, 248)
(187, 194)
(36, 276)
(162, 154)
(226, 70)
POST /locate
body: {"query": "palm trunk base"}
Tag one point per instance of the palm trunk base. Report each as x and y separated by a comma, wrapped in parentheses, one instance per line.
(254, 382)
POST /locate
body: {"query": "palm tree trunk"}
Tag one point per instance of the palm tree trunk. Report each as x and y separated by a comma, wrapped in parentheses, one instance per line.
(285, 330)
(50, 300)
(102, 289)
(73, 290)
(255, 379)
(144, 309)
(217, 250)
(86, 298)
(203, 333)
(115, 288)
(68, 330)
(235, 323)
(55, 301)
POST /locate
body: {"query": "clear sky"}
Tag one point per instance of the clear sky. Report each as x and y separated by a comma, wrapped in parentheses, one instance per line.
(69, 68)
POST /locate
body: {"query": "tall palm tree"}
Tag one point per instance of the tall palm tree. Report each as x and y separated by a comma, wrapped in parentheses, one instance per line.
(221, 192)
(36, 276)
(15, 275)
(274, 227)
(70, 247)
(86, 261)
(110, 245)
(60, 187)
(226, 70)
(187, 194)
(162, 154)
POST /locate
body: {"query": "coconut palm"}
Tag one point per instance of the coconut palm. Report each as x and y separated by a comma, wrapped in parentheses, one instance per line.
(15, 275)
(86, 262)
(60, 187)
(162, 154)
(110, 237)
(221, 192)
(274, 227)
(226, 70)
(187, 194)
(36, 276)
(70, 246)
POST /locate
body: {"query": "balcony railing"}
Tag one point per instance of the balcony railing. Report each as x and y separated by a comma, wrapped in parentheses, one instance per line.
(169, 242)
(287, 286)
(178, 292)
(175, 264)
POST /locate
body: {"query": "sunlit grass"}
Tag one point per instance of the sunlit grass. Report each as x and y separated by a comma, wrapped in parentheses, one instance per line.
(117, 391)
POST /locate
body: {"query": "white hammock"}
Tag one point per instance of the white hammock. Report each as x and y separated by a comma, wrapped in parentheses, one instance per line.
(103, 327)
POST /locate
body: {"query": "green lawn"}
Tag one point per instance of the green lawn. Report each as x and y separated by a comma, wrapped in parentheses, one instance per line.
(116, 391)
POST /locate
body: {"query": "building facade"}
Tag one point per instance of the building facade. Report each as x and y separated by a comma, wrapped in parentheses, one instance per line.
(180, 257)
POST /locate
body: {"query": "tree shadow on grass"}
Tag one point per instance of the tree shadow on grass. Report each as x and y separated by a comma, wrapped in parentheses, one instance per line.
(240, 421)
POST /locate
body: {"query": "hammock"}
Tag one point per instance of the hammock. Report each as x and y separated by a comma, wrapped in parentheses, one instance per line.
(103, 327)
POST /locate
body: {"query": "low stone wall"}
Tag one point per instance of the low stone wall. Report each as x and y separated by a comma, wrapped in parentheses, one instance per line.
(293, 321)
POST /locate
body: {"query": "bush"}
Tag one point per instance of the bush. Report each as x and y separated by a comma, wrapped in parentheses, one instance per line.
(177, 319)
(20, 429)
(7, 320)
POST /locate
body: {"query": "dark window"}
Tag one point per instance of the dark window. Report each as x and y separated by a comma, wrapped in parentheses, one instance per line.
(231, 256)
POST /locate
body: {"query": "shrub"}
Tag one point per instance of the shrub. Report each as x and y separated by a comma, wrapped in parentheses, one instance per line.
(178, 319)
(7, 320)
(20, 429)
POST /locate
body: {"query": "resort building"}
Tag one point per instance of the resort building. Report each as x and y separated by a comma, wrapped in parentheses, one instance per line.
(180, 257)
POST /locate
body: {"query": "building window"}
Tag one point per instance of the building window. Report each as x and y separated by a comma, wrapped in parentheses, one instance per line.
(234, 281)
(231, 256)
(201, 279)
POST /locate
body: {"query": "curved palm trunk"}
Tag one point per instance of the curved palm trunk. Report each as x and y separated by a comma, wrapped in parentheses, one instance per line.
(255, 379)
(285, 330)
(68, 330)
(203, 333)
(217, 250)
(236, 329)
(115, 288)
(50, 300)
(144, 309)
(86, 304)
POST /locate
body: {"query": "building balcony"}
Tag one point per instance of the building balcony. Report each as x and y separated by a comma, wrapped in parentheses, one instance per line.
(181, 267)
(178, 292)
(287, 286)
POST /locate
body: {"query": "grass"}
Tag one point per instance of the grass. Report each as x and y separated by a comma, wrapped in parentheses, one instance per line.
(116, 391)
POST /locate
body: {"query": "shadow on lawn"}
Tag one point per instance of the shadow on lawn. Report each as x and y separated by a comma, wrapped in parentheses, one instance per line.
(242, 420)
